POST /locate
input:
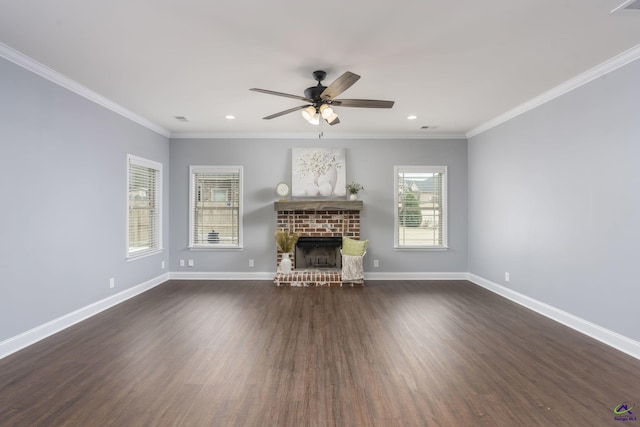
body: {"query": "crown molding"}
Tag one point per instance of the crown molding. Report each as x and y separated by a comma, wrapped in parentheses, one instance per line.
(42, 70)
(313, 135)
(612, 64)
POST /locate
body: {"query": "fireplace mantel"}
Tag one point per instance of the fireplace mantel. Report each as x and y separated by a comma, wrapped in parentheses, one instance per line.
(318, 205)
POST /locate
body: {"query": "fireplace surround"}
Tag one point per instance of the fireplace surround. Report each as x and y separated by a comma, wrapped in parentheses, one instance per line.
(314, 220)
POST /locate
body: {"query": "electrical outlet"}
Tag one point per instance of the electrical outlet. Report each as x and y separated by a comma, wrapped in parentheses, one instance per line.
(190, 263)
(251, 263)
(162, 265)
(507, 277)
(376, 263)
(112, 283)
(181, 263)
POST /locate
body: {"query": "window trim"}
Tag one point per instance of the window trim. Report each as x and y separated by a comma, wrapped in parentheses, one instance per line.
(193, 170)
(157, 166)
(445, 208)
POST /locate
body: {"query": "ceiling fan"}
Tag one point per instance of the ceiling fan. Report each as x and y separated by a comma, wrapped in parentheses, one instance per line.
(321, 99)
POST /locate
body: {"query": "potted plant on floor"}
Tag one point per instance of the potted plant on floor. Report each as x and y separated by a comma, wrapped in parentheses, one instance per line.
(286, 241)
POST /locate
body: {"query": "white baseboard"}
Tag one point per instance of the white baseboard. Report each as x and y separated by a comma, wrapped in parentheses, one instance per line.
(613, 339)
(268, 275)
(212, 275)
(610, 338)
(41, 332)
(415, 276)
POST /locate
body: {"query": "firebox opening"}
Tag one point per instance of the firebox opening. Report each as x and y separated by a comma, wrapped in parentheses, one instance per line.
(318, 253)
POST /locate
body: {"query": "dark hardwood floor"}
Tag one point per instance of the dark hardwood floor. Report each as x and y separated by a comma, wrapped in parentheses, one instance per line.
(393, 353)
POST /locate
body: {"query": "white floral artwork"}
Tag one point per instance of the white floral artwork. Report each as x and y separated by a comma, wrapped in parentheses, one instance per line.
(318, 172)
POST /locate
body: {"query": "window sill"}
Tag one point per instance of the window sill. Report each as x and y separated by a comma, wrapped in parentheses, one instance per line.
(421, 248)
(135, 256)
(215, 248)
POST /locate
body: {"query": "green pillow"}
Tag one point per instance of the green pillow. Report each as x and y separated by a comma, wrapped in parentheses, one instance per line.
(354, 247)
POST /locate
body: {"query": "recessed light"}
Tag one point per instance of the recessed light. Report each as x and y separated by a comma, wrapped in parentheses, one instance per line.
(412, 117)
(229, 117)
(425, 127)
(181, 118)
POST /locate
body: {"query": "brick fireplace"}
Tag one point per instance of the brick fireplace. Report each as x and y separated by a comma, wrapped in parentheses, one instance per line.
(330, 218)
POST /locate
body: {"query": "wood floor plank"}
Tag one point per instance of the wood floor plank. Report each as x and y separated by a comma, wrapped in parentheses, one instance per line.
(393, 353)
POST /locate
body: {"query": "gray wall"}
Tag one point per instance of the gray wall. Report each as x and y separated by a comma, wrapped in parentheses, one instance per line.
(555, 201)
(552, 198)
(370, 162)
(63, 195)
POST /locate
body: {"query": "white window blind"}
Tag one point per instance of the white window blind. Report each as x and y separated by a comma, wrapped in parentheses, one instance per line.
(215, 219)
(421, 207)
(144, 208)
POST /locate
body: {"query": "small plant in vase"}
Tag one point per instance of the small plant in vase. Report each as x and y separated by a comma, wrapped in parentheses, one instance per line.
(286, 242)
(353, 189)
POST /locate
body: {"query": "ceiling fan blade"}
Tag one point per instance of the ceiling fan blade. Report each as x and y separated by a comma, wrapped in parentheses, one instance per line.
(339, 85)
(271, 92)
(362, 103)
(282, 113)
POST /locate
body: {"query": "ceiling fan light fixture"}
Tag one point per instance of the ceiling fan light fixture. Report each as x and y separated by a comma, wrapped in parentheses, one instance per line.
(326, 111)
(315, 120)
(332, 118)
(308, 113)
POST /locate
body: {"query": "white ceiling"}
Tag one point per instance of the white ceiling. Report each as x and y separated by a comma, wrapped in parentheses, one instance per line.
(455, 64)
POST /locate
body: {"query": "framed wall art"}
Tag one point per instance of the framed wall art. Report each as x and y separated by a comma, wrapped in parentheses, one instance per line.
(318, 173)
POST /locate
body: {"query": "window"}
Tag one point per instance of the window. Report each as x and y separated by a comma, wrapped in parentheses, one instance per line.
(215, 213)
(421, 207)
(144, 217)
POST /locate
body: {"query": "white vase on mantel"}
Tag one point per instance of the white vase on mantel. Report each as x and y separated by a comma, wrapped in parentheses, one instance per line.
(285, 264)
(353, 196)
